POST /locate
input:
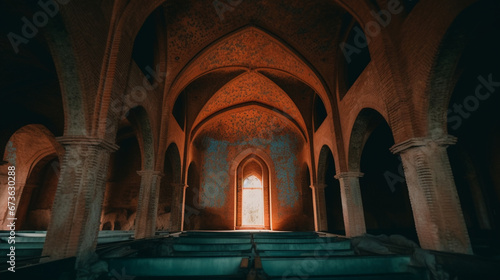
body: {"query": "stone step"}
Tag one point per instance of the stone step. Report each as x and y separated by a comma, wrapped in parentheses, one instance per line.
(213, 254)
(204, 234)
(337, 266)
(178, 266)
(298, 240)
(211, 247)
(214, 240)
(318, 253)
(39, 238)
(342, 245)
(260, 235)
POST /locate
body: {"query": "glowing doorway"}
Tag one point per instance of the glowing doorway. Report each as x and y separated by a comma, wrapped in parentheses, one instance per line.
(253, 202)
(252, 180)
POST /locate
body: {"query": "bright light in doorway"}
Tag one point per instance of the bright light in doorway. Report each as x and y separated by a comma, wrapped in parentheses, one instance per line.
(253, 202)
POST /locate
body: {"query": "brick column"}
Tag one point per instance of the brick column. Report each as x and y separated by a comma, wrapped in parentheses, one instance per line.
(436, 207)
(177, 207)
(352, 203)
(76, 211)
(147, 208)
(319, 206)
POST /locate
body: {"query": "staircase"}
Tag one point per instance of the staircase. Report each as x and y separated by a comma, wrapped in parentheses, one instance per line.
(241, 255)
(254, 255)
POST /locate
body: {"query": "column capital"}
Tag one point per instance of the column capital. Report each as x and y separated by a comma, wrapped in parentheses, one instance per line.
(150, 172)
(89, 141)
(318, 186)
(349, 175)
(422, 141)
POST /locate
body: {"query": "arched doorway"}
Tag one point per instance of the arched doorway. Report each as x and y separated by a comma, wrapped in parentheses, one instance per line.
(326, 175)
(170, 197)
(384, 192)
(252, 191)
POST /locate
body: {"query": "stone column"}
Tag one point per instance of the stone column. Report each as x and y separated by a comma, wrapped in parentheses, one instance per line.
(177, 207)
(319, 206)
(76, 211)
(147, 208)
(352, 203)
(436, 207)
(183, 209)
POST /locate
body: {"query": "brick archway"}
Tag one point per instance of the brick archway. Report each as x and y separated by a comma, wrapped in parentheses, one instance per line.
(268, 180)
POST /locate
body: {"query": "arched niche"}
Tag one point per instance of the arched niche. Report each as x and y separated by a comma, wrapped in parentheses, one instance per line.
(252, 194)
(249, 162)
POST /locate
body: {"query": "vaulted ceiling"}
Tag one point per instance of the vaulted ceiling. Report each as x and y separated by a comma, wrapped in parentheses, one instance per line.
(242, 63)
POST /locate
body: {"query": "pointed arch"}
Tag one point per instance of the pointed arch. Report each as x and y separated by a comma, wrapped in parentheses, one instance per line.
(444, 73)
(35, 151)
(140, 120)
(205, 61)
(269, 180)
(366, 121)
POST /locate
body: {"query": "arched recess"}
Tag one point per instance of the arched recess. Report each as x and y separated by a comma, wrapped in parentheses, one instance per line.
(326, 175)
(269, 180)
(127, 20)
(36, 154)
(461, 34)
(170, 196)
(135, 139)
(35, 206)
(386, 203)
(353, 55)
(252, 202)
(366, 121)
(123, 183)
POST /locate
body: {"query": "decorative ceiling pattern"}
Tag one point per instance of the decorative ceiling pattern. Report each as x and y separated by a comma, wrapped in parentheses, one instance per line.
(309, 27)
(248, 124)
(250, 87)
(250, 48)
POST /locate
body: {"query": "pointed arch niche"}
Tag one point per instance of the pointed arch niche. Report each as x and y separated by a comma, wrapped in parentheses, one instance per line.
(252, 201)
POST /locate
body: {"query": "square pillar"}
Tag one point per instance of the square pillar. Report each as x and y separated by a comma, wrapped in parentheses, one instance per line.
(76, 211)
(352, 203)
(319, 206)
(147, 208)
(436, 207)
